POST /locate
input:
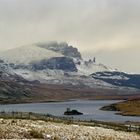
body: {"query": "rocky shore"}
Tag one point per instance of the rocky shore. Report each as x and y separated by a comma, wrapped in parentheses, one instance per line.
(29, 129)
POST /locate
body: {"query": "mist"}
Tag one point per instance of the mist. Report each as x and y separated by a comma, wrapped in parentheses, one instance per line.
(102, 28)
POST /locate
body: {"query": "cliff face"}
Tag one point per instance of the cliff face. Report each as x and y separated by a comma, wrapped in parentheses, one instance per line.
(57, 63)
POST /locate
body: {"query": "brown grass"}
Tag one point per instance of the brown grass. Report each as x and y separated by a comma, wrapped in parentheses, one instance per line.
(131, 107)
(44, 93)
(126, 108)
(36, 134)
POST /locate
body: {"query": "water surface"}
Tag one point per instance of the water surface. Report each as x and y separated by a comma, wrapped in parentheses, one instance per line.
(90, 108)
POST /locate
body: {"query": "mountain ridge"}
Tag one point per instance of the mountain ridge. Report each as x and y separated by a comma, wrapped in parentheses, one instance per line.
(62, 64)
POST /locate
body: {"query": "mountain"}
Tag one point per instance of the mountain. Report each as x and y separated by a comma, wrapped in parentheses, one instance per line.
(62, 64)
(56, 71)
(117, 78)
(53, 63)
(12, 87)
(27, 54)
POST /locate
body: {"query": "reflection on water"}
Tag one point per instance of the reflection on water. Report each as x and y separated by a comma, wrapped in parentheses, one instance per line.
(91, 109)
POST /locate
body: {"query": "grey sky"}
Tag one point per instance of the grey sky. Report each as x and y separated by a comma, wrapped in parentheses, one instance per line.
(108, 29)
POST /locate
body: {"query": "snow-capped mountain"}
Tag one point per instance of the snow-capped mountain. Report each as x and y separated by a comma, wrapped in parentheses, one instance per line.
(59, 63)
(27, 54)
(118, 78)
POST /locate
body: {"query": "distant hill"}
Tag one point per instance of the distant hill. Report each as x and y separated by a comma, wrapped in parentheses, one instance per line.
(117, 78)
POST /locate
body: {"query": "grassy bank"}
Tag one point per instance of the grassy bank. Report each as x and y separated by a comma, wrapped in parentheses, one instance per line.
(126, 108)
(127, 126)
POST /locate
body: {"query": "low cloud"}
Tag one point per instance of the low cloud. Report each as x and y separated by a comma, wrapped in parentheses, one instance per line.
(90, 25)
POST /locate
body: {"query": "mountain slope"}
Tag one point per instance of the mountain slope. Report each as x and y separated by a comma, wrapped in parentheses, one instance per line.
(118, 78)
(89, 67)
(27, 54)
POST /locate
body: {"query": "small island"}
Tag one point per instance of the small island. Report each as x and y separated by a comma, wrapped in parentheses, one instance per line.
(72, 112)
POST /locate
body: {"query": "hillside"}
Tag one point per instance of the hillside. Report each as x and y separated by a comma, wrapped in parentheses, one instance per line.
(14, 92)
(128, 108)
(118, 78)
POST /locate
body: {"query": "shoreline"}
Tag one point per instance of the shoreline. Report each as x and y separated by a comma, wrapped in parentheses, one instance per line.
(54, 101)
(111, 107)
(125, 108)
(58, 119)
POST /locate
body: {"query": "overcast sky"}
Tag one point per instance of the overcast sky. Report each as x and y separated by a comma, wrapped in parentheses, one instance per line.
(107, 29)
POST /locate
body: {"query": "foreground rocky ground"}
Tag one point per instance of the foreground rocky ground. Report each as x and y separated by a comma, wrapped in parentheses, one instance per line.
(29, 129)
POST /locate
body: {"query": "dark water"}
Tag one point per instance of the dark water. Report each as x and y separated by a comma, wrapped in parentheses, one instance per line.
(89, 108)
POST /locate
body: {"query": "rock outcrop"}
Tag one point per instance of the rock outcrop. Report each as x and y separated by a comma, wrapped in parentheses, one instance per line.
(57, 63)
(63, 48)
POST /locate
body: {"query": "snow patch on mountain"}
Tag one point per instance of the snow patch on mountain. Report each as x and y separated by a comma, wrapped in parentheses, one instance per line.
(61, 78)
(27, 54)
(114, 75)
(89, 67)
